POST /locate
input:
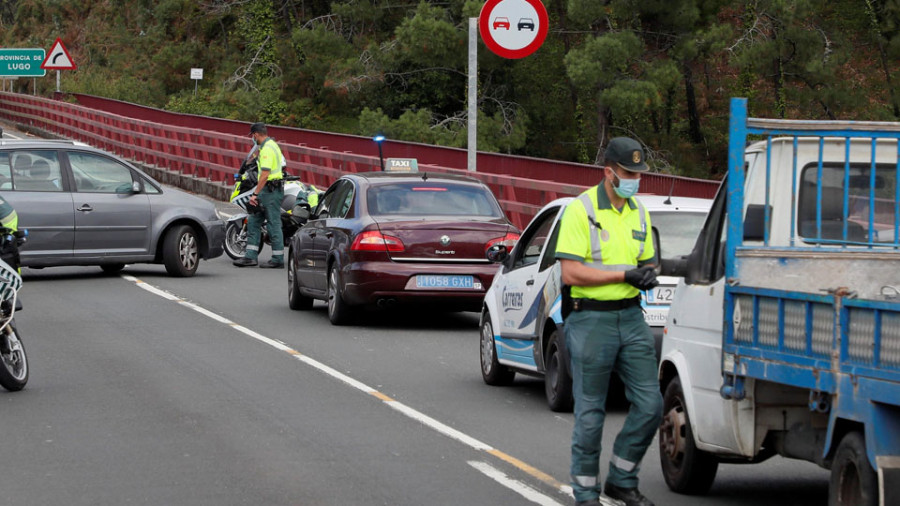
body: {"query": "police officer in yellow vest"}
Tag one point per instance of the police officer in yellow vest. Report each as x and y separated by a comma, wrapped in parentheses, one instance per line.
(606, 252)
(268, 195)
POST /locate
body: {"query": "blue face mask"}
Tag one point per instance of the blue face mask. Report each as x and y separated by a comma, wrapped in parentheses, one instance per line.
(626, 188)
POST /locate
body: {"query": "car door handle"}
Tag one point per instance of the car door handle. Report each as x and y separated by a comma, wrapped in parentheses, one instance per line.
(311, 233)
(329, 234)
(85, 208)
(529, 282)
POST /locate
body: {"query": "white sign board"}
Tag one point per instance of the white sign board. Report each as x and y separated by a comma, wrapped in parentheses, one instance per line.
(196, 73)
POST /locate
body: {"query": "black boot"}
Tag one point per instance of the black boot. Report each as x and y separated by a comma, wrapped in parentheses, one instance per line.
(629, 496)
(244, 262)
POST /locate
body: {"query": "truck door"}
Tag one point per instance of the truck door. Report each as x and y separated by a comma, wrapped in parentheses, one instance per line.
(694, 332)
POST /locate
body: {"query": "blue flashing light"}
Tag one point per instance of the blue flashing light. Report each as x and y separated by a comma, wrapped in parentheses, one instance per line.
(378, 138)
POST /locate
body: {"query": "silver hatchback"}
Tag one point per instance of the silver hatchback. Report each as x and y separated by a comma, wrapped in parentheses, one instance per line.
(83, 206)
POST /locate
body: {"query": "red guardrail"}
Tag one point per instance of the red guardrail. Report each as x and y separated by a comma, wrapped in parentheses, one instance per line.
(213, 153)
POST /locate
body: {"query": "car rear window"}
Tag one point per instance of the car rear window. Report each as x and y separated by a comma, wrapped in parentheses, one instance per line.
(431, 198)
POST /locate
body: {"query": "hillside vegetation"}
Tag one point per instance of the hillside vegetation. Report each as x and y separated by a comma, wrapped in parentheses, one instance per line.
(658, 70)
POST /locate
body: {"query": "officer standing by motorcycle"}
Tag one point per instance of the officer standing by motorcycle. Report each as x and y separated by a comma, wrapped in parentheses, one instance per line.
(606, 254)
(267, 197)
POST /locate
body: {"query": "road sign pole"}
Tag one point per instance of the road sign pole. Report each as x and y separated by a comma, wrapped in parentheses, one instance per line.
(57, 81)
(473, 95)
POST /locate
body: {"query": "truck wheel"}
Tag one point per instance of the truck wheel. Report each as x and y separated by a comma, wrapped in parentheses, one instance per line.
(492, 371)
(853, 481)
(557, 382)
(687, 469)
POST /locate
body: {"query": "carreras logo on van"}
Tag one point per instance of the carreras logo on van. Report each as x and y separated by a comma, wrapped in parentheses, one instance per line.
(512, 300)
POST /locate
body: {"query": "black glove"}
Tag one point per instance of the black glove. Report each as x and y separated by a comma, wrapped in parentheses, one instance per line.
(642, 278)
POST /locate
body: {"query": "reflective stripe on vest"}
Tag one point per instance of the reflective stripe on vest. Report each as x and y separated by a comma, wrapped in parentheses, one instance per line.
(596, 253)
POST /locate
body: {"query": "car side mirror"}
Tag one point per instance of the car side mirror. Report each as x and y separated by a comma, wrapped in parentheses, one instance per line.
(497, 253)
(301, 212)
(126, 188)
(677, 267)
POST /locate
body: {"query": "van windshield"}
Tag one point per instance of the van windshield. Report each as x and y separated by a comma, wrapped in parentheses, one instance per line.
(677, 231)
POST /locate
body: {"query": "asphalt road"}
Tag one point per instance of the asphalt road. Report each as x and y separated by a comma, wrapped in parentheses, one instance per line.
(147, 389)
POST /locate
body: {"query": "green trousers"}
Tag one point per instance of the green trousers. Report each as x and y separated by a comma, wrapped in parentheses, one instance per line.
(270, 201)
(600, 342)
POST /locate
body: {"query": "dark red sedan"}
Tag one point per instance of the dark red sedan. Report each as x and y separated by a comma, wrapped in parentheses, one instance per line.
(380, 239)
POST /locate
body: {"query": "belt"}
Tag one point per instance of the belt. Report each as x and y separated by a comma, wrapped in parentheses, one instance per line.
(604, 305)
(274, 184)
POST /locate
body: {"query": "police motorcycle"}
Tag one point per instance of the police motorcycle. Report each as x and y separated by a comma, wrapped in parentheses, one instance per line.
(13, 362)
(294, 207)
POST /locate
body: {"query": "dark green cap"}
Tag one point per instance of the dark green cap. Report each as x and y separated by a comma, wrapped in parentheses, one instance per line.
(627, 153)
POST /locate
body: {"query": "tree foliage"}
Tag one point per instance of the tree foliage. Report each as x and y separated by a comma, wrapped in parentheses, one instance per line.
(658, 70)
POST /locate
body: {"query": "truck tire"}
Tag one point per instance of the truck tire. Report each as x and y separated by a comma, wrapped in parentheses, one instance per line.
(557, 382)
(492, 372)
(686, 468)
(853, 481)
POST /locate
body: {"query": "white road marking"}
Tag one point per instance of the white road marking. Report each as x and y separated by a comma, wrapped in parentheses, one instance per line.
(512, 484)
(518, 487)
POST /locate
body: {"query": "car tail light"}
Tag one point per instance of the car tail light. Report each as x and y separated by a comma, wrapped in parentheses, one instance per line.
(376, 241)
(508, 240)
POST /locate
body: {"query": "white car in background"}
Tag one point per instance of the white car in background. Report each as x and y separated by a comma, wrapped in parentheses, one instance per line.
(521, 321)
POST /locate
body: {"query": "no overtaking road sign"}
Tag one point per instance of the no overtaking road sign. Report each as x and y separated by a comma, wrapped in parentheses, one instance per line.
(513, 28)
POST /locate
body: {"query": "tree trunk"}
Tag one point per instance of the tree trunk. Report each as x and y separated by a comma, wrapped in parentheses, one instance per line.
(602, 127)
(694, 132)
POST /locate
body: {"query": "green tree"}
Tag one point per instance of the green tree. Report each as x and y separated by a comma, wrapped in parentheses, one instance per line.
(798, 48)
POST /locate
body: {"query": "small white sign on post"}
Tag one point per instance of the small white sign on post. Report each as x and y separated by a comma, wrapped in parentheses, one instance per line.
(196, 75)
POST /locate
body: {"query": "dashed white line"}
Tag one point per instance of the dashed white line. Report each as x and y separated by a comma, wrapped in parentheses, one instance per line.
(517, 486)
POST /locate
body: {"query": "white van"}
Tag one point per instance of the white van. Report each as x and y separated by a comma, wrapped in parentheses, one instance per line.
(521, 322)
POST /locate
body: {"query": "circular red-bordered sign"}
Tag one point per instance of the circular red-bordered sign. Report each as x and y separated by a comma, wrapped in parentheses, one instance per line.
(513, 28)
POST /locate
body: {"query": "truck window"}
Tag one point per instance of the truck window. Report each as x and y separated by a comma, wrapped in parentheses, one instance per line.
(831, 221)
(706, 262)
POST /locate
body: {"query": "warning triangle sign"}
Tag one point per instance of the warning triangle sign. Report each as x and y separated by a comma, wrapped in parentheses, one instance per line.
(58, 58)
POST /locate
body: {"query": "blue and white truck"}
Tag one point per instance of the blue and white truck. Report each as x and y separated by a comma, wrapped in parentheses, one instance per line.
(784, 334)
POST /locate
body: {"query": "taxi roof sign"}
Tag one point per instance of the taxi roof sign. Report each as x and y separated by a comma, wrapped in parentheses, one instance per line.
(401, 165)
